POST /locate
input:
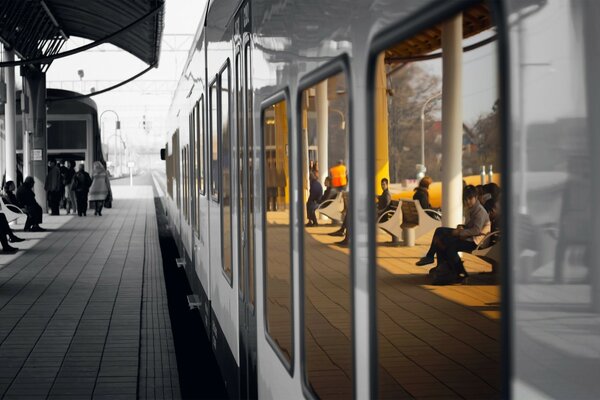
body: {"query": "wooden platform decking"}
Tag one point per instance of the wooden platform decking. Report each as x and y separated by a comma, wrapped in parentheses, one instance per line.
(434, 341)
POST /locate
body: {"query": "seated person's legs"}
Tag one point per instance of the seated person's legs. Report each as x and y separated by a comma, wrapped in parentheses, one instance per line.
(438, 237)
(451, 247)
(7, 231)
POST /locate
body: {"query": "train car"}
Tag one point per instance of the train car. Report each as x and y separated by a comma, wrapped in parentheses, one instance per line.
(73, 132)
(276, 95)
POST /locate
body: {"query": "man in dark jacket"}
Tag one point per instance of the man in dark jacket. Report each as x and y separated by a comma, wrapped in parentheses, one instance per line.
(26, 199)
(384, 199)
(316, 191)
(81, 186)
(52, 187)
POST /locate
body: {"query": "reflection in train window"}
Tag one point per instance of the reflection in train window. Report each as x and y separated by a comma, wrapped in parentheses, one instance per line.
(176, 169)
(200, 138)
(437, 130)
(327, 277)
(278, 273)
(214, 142)
(226, 172)
(250, 150)
(239, 113)
(199, 157)
(185, 182)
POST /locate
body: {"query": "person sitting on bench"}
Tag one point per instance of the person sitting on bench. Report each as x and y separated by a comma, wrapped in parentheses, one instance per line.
(384, 199)
(447, 242)
(26, 198)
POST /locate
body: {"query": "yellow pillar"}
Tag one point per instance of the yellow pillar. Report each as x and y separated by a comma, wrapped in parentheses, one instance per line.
(281, 141)
(382, 162)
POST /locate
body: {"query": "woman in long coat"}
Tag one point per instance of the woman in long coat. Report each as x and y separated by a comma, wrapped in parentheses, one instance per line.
(100, 188)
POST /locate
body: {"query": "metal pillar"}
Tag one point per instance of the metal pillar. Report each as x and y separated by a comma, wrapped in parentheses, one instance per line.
(452, 122)
(10, 119)
(382, 159)
(322, 104)
(34, 87)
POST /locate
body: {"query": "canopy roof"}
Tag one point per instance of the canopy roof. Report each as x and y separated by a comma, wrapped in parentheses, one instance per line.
(475, 20)
(39, 28)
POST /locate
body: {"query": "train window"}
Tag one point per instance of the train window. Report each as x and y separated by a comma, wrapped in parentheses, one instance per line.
(176, 169)
(437, 139)
(169, 170)
(226, 171)
(185, 183)
(240, 168)
(250, 152)
(327, 276)
(214, 142)
(276, 207)
(200, 140)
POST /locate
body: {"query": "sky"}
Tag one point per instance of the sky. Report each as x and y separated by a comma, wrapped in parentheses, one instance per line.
(151, 94)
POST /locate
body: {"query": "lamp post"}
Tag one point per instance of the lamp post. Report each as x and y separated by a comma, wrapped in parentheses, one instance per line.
(430, 99)
(117, 128)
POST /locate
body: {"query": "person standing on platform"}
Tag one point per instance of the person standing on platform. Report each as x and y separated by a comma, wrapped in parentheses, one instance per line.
(316, 191)
(26, 199)
(52, 187)
(339, 176)
(81, 185)
(67, 177)
(100, 188)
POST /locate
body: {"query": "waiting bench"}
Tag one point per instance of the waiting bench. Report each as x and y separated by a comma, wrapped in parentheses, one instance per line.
(489, 249)
(332, 208)
(11, 211)
(391, 220)
(417, 222)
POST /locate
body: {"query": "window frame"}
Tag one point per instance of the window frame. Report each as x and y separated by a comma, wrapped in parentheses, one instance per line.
(280, 95)
(215, 82)
(400, 30)
(226, 67)
(338, 65)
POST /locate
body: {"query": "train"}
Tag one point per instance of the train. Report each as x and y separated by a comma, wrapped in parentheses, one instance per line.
(72, 126)
(277, 92)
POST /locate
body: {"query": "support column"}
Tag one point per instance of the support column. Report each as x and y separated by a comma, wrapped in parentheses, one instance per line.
(322, 104)
(34, 87)
(452, 120)
(382, 160)
(10, 120)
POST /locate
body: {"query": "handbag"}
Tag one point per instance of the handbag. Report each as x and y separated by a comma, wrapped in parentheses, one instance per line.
(108, 200)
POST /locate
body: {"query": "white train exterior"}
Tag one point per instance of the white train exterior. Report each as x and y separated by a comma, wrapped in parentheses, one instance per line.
(259, 51)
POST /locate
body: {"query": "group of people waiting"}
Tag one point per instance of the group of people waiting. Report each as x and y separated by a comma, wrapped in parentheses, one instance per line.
(77, 187)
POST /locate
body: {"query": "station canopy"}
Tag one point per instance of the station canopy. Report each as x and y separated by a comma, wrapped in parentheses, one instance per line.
(476, 19)
(38, 28)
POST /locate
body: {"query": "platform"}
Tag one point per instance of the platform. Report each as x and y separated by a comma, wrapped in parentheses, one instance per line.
(83, 308)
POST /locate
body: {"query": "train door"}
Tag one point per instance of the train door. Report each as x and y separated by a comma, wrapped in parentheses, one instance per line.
(246, 270)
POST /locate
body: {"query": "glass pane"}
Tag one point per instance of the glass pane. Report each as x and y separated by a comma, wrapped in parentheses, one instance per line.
(226, 172)
(278, 271)
(327, 277)
(67, 134)
(195, 191)
(438, 316)
(250, 151)
(214, 142)
(201, 140)
(240, 173)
